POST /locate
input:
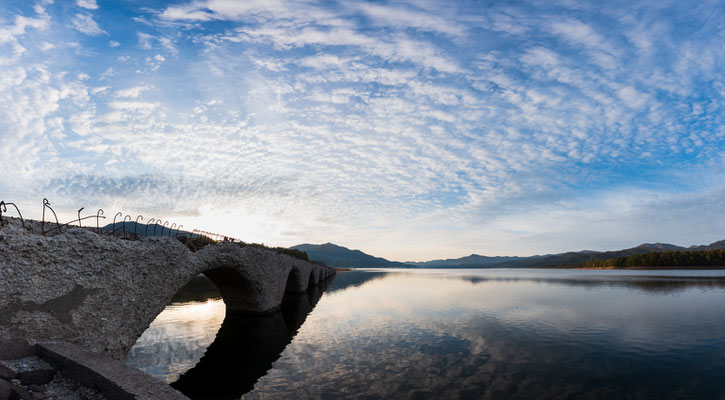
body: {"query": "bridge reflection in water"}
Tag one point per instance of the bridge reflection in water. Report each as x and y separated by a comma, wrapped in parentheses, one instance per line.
(242, 351)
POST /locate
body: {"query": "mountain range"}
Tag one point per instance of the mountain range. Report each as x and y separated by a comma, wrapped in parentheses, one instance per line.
(338, 256)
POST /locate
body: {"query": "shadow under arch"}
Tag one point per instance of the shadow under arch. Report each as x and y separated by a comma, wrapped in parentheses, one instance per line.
(246, 345)
(233, 286)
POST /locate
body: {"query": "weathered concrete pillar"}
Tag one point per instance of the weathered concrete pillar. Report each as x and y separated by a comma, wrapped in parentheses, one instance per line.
(299, 277)
(251, 280)
(315, 276)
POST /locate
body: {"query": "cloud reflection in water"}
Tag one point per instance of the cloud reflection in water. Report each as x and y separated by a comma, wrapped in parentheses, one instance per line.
(177, 339)
(509, 334)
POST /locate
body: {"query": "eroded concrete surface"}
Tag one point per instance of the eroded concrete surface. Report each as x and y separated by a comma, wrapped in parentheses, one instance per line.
(101, 293)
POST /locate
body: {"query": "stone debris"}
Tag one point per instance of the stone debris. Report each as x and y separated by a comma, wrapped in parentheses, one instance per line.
(38, 381)
(6, 390)
(6, 373)
(36, 377)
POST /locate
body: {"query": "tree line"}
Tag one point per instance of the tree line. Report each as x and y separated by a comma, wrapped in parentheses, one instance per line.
(200, 242)
(702, 258)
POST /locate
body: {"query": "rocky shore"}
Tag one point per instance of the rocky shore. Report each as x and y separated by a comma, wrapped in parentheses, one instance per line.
(31, 378)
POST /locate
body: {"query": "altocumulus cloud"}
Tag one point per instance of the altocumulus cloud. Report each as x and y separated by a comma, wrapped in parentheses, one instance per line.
(408, 129)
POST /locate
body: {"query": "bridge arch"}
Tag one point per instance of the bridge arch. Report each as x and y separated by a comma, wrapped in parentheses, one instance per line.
(299, 277)
(102, 293)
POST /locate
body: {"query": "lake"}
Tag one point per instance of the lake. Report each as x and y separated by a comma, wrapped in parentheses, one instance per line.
(469, 334)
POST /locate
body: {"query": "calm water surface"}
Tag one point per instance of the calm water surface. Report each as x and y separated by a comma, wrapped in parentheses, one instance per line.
(522, 333)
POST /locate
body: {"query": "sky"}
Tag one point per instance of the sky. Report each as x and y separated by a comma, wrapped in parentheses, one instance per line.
(412, 130)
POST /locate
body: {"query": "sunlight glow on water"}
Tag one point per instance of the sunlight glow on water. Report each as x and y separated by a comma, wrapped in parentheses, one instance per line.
(177, 339)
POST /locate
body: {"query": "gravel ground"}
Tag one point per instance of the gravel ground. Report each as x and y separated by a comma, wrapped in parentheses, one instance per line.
(60, 388)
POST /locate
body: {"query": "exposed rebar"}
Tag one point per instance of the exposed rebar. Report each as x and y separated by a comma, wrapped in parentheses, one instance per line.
(155, 225)
(46, 203)
(124, 224)
(3, 208)
(135, 227)
(79, 217)
(99, 215)
(147, 226)
(113, 231)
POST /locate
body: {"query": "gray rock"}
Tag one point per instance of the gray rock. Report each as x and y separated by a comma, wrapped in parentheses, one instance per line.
(6, 373)
(6, 390)
(37, 377)
(19, 393)
(36, 388)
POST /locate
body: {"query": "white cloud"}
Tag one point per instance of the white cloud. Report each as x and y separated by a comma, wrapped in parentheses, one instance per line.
(396, 49)
(144, 40)
(633, 98)
(113, 43)
(109, 72)
(9, 35)
(132, 105)
(147, 42)
(155, 62)
(541, 56)
(89, 4)
(132, 92)
(84, 23)
(410, 18)
(168, 45)
(230, 10)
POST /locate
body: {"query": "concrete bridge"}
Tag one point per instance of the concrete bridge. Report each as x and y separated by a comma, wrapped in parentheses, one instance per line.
(102, 293)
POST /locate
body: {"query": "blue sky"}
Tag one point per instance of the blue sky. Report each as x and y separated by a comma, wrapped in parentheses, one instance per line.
(411, 130)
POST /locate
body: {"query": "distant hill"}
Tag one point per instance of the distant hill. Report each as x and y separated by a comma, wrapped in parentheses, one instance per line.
(472, 261)
(338, 256)
(719, 245)
(142, 229)
(579, 258)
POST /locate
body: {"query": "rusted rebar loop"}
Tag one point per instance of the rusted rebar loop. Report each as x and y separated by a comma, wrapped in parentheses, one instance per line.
(172, 228)
(99, 215)
(79, 217)
(191, 236)
(135, 227)
(158, 220)
(147, 226)
(113, 232)
(3, 208)
(46, 203)
(124, 224)
(177, 230)
(68, 224)
(163, 226)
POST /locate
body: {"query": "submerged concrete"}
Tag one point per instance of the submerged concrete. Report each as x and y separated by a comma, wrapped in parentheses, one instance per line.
(113, 378)
(101, 293)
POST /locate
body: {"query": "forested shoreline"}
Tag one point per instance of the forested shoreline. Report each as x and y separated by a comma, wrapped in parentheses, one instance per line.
(702, 258)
